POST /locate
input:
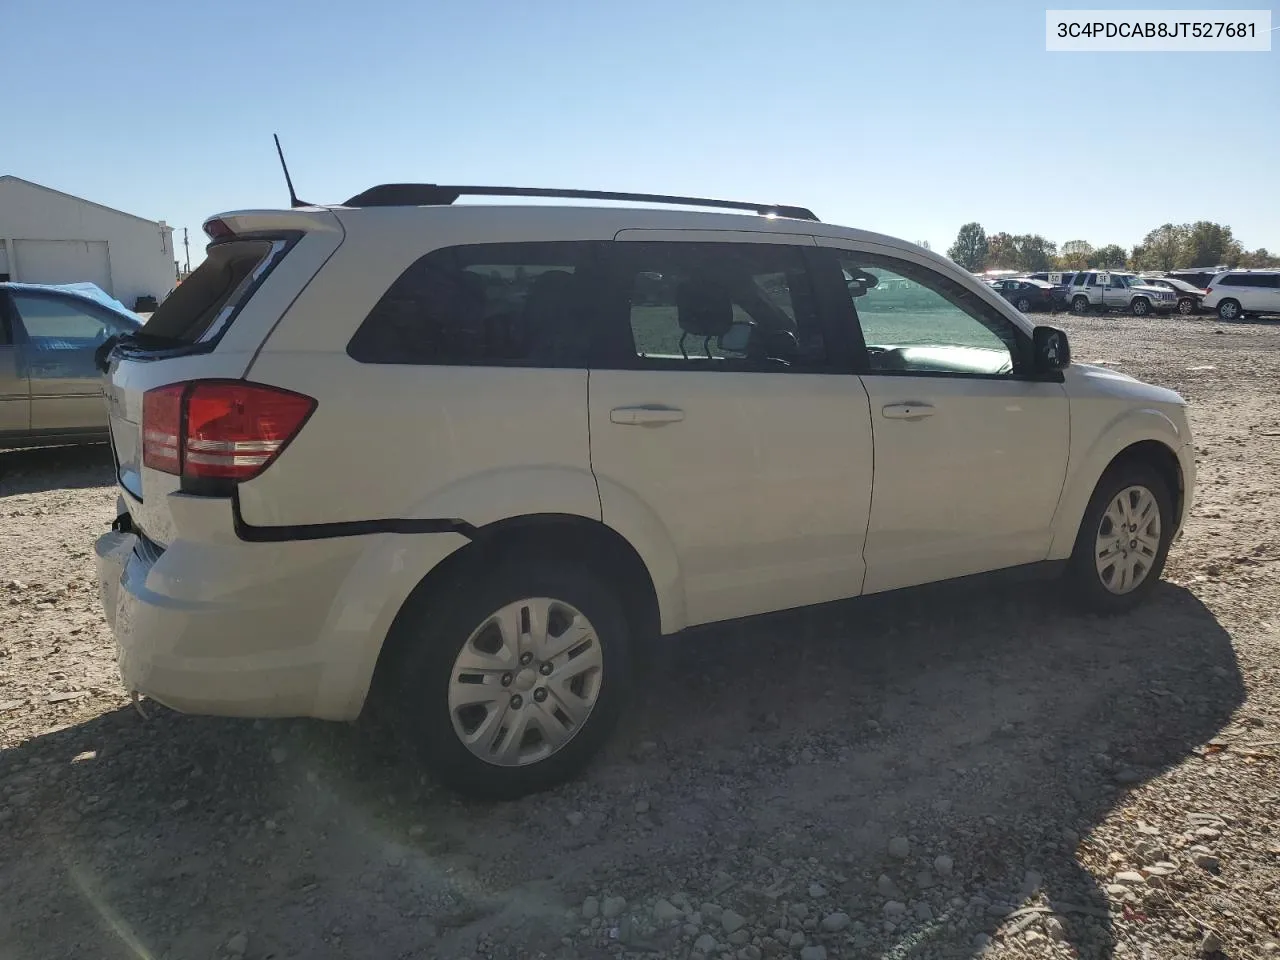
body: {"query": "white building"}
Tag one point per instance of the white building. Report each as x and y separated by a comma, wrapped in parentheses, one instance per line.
(51, 237)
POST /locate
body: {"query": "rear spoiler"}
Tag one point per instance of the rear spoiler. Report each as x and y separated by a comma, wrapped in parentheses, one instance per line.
(244, 222)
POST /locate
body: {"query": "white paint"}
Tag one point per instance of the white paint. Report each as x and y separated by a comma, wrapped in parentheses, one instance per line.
(63, 261)
(138, 253)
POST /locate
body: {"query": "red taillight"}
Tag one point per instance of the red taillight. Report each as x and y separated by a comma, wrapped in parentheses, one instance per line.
(218, 229)
(1208, 290)
(223, 429)
(162, 428)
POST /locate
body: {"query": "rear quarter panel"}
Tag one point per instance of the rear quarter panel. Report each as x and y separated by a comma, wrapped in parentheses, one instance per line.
(415, 441)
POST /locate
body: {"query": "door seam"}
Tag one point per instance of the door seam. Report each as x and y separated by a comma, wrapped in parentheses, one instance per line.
(871, 495)
(591, 453)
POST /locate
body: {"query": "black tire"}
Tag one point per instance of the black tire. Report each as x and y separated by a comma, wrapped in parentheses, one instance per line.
(1186, 306)
(1229, 310)
(1023, 305)
(442, 624)
(1082, 573)
(1080, 304)
(1140, 306)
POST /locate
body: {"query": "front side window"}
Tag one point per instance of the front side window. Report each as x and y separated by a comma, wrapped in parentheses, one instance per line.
(719, 306)
(914, 320)
(55, 323)
(484, 304)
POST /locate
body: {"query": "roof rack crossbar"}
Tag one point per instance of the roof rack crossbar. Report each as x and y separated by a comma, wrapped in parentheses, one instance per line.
(431, 194)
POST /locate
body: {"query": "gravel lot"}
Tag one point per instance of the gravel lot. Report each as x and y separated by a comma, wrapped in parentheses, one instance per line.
(953, 773)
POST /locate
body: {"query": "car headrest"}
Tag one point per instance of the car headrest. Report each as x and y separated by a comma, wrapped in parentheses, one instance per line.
(550, 292)
(703, 309)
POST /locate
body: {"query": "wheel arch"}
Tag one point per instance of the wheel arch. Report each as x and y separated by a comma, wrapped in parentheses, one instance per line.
(549, 537)
(1160, 452)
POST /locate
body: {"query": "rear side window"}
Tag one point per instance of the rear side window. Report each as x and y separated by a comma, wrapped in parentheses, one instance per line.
(485, 304)
(1234, 280)
(203, 305)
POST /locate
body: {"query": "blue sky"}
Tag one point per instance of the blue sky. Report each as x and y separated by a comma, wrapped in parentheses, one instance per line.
(903, 117)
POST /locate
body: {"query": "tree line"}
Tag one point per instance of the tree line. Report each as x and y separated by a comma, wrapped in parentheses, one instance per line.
(1172, 246)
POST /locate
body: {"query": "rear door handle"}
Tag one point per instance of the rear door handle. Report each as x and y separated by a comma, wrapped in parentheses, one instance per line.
(646, 416)
(907, 411)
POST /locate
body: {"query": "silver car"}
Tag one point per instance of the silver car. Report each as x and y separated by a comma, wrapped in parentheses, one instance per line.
(1106, 290)
(50, 387)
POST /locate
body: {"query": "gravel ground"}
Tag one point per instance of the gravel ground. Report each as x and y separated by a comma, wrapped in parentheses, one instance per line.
(952, 773)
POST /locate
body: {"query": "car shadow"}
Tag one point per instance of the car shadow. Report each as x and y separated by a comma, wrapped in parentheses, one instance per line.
(990, 726)
(36, 469)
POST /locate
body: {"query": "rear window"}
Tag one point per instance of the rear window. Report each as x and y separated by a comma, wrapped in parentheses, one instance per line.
(203, 305)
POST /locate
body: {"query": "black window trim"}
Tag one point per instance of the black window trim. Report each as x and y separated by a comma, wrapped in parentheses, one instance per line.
(8, 338)
(1022, 360)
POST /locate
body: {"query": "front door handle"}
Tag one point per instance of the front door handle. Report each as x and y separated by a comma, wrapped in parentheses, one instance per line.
(646, 416)
(907, 411)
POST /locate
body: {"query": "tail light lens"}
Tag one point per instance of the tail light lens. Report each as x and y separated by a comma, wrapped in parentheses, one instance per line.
(219, 429)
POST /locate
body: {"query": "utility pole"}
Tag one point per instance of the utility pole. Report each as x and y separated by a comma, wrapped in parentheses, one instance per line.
(186, 246)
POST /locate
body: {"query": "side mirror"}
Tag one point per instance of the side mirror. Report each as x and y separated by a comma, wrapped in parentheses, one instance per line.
(1051, 349)
(736, 339)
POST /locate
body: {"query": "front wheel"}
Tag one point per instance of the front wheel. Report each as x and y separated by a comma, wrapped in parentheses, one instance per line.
(515, 681)
(1080, 304)
(1140, 307)
(1229, 310)
(1123, 539)
(1023, 305)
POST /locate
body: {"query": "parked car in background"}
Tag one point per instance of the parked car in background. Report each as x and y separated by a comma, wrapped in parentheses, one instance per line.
(560, 473)
(1031, 295)
(1198, 277)
(1244, 293)
(1058, 279)
(50, 389)
(1189, 297)
(1104, 290)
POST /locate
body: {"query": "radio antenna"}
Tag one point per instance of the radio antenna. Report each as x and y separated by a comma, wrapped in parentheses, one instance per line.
(293, 197)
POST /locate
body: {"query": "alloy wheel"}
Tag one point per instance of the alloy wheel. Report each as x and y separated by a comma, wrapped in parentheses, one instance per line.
(1128, 540)
(525, 681)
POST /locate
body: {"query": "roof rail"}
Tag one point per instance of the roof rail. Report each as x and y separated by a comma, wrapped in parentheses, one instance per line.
(432, 194)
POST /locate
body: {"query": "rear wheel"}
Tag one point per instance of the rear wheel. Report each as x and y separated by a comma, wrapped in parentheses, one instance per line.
(1186, 306)
(1229, 310)
(1123, 539)
(513, 683)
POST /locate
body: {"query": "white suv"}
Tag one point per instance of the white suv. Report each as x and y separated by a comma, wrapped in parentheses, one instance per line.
(484, 454)
(1104, 290)
(1241, 293)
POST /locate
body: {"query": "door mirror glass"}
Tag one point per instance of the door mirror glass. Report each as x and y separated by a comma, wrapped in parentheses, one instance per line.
(1052, 350)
